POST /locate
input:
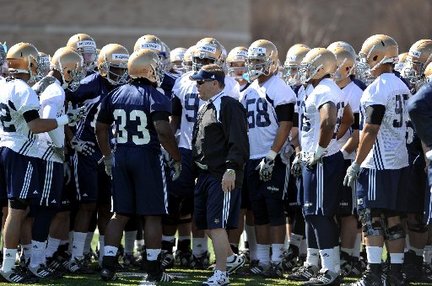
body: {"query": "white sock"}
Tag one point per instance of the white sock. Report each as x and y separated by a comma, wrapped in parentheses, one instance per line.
(277, 252)
(139, 243)
(109, 250)
(374, 254)
(26, 249)
(52, 246)
(152, 254)
(312, 257)
(427, 254)
(9, 256)
(357, 246)
(263, 254)
(87, 243)
(37, 253)
(251, 236)
(199, 246)
(101, 246)
(303, 248)
(336, 259)
(327, 260)
(296, 240)
(129, 238)
(78, 245)
(396, 258)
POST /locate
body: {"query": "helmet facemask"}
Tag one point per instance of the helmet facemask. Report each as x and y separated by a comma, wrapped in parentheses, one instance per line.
(291, 75)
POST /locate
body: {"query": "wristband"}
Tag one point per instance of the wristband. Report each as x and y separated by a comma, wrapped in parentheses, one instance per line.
(271, 155)
(62, 120)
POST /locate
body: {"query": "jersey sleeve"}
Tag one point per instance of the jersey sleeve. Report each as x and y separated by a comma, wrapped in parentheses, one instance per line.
(25, 99)
(159, 102)
(280, 93)
(373, 96)
(326, 96)
(354, 99)
(85, 91)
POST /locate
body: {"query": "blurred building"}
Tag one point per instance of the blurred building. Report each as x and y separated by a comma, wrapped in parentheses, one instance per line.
(49, 23)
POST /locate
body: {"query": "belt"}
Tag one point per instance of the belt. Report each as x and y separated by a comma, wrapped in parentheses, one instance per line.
(201, 166)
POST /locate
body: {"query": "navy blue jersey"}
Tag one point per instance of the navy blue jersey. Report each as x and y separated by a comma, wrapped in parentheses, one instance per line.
(420, 111)
(131, 108)
(168, 84)
(358, 82)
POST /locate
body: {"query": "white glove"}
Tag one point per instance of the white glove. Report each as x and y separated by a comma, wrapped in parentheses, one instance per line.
(84, 147)
(75, 114)
(316, 157)
(67, 172)
(41, 85)
(296, 167)
(266, 165)
(108, 162)
(351, 174)
(176, 167)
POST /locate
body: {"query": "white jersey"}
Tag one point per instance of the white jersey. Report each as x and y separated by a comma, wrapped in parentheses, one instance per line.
(389, 150)
(325, 92)
(186, 91)
(260, 103)
(52, 106)
(351, 94)
(16, 98)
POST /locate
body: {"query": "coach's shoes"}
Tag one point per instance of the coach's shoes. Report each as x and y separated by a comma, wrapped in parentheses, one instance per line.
(218, 278)
(304, 273)
(235, 264)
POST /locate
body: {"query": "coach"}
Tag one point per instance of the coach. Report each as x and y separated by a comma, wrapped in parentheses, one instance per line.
(220, 149)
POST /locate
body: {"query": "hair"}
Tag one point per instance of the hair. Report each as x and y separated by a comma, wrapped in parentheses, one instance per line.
(216, 70)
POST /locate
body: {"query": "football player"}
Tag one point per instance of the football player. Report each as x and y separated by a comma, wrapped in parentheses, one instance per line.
(269, 103)
(381, 160)
(176, 61)
(85, 45)
(140, 116)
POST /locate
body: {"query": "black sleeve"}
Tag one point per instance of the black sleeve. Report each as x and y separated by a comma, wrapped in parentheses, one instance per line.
(285, 112)
(296, 120)
(375, 114)
(235, 126)
(160, 115)
(31, 115)
(176, 106)
(356, 123)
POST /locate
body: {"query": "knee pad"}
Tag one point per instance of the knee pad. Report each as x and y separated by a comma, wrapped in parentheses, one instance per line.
(18, 204)
(370, 227)
(395, 232)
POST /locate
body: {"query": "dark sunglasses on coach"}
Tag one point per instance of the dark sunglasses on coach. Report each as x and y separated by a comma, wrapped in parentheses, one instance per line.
(200, 82)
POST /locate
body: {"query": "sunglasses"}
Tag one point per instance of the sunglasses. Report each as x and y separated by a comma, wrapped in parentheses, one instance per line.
(201, 82)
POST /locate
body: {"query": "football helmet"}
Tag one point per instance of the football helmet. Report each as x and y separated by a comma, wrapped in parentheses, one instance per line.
(262, 59)
(346, 59)
(70, 64)
(23, 58)
(207, 51)
(112, 63)
(86, 47)
(176, 59)
(428, 72)
(294, 56)
(166, 56)
(187, 59)
(401, 62)
(236, 62)
(316, 64)
(376, 50)
(145, 63)
(419, 56)
(43, 65)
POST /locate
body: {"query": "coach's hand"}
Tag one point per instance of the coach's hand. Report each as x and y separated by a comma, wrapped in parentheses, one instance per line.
(108, 162)
(266, 165)
(228, 180)
(351, 174)
(296, 167)
(84, 147)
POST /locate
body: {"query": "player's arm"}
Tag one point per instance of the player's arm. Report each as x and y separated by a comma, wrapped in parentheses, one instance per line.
(38, 125)
(165, 134)
(374, 117)
(176, 113)
(285, 114)
(103, 127)
(328, 117)
(50, 110)
(352, 143)
(346, 121)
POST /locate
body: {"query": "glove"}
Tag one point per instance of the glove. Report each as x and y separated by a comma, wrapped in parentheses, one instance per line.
(351, 174)
(316, 157)
(296, 167)
(84, 147)
(41, 85)
(108, 162)
(266, 165)
(176, 167)
(67, 172)
(75, 114)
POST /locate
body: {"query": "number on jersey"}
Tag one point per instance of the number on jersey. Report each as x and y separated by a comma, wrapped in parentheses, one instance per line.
(191, 106)
(140, 136)
(6, 118)
(257, 113)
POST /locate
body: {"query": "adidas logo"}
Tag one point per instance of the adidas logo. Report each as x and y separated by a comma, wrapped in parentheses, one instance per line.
(110, 252)
(85, 195)
(8, 255)
(54, 201)
(35, 246)
(35, 192)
